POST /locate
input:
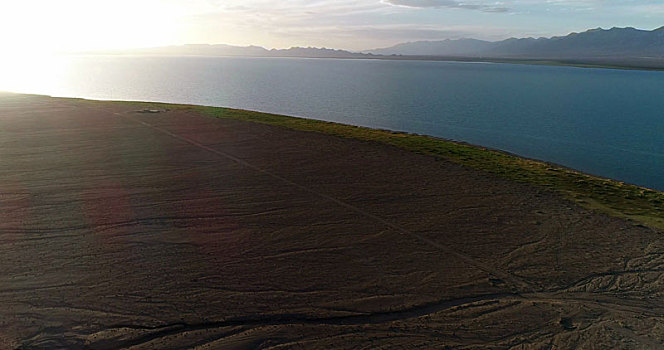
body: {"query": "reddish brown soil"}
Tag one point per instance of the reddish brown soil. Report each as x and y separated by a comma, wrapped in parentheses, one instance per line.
(175, 231)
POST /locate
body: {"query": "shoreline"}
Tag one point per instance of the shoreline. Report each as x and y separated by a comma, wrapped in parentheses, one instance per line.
(532, 62)
(553, 62)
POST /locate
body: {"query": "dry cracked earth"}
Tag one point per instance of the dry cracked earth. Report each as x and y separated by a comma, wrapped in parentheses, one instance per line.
(173, 230)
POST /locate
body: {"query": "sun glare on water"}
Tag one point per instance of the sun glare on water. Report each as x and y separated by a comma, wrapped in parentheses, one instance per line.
(38, 74)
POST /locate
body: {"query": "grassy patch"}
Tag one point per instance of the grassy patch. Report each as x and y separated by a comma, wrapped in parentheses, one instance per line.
(642, 205)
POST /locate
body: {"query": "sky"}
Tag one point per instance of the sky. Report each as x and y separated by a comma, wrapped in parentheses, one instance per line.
(29, 26)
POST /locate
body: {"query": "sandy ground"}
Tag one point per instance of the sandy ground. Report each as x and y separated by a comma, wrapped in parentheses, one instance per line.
(175, 231)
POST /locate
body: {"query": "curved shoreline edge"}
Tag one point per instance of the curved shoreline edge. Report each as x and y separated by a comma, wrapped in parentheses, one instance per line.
(642, 205)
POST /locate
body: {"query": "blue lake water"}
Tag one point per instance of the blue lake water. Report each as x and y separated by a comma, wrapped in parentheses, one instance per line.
(601, 121)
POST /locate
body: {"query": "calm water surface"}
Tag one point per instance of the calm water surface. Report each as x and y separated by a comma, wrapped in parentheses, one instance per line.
(601, 121)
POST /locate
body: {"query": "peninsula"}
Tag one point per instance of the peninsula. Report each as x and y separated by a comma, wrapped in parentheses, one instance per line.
(144, 225)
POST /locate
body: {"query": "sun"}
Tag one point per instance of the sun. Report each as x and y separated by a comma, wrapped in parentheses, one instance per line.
(35, 32)
(37, 26)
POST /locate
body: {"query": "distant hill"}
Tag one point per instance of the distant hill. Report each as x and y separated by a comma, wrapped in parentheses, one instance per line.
(594, 43)
(461, 47)
(228, 50)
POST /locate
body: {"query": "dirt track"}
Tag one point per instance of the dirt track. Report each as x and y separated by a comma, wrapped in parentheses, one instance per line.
(174, 230)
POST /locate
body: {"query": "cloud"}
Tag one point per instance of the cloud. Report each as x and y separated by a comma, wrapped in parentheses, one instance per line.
(364, 37)
(388, 33)
(345, 24)
(494, 7)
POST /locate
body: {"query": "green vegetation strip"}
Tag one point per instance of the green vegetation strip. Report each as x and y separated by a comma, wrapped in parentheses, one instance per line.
(642, 205)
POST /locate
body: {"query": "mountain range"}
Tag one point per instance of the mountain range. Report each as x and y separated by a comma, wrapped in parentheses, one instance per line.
(619, 47)
(593, 43)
